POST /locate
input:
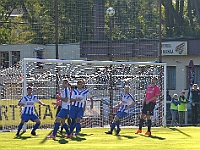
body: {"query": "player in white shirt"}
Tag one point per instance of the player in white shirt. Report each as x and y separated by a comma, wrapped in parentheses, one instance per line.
(78, 100)
(28, 113)
(64, 112)
(88, 94)
(127, 101)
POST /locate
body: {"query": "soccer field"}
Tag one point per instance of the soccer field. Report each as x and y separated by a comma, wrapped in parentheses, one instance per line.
(177, 138)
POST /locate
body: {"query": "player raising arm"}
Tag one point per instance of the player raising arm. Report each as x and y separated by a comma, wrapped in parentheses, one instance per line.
(27, 104)
(64, 112)
(88, 95)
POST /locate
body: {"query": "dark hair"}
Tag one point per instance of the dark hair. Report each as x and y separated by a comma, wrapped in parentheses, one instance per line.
(65, 80)
(155, 78)
(29, 88)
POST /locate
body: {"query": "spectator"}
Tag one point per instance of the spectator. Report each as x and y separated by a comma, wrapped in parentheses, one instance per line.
(174, 109)
(182, 108)
(169, 98)
(195, 100)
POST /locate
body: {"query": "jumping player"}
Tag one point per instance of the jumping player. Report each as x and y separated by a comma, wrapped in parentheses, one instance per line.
(127, 101)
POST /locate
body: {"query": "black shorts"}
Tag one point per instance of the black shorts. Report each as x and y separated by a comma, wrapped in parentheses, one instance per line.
(148, 108)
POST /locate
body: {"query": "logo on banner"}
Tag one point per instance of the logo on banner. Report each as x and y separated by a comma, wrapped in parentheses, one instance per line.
(174, 48)
(180, 48)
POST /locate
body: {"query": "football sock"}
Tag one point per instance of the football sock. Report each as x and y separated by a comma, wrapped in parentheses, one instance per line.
(78, 127)
(65, 126)
(149, 125)
(19, 127)
(56, 127)
(141, 124)
(35, 127)
(112, 127)
(117, 123)
(72, 126)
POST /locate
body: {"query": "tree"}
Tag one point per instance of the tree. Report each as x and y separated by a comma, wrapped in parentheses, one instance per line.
(180, 16)
(134, 19)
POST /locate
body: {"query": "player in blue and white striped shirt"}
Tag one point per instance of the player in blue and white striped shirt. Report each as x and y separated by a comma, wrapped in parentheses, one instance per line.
(127, 101)
(64, 112)
(28, 113)
(88, 94)
(78, 99)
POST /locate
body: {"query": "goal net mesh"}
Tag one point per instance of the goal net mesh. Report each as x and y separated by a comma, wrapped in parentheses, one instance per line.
(104, 79)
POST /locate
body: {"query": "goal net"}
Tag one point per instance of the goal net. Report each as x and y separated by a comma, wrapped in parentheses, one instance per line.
(104, 79)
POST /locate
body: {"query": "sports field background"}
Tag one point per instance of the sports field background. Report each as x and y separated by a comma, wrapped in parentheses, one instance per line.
(176, 138)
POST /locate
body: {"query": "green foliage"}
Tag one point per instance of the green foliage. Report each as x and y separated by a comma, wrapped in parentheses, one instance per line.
(133, 19)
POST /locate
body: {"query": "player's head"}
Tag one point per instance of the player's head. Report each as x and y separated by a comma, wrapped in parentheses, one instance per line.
(126, 89)
(29, 90)
(80, 84)
(154, 80)
(65, 83)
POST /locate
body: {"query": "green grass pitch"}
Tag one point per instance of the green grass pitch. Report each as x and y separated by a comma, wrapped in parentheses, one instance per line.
(176, 138)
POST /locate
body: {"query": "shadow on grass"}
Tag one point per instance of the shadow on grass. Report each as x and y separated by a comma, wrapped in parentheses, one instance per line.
(153, 137)
(175, 129)
(78, 138)
(84, 134)
(62, 141)
(62, 137)
(22, 137)
(44, 140)
(125, 136)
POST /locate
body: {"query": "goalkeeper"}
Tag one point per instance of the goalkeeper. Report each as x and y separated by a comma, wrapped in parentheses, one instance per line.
(152, 93)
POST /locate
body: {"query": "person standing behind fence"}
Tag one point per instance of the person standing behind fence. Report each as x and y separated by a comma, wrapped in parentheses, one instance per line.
(174, 109)
(168, 98)
(182, 107)
(195, 100)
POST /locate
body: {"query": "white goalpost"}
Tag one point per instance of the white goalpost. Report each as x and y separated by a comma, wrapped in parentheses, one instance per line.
(104, 79)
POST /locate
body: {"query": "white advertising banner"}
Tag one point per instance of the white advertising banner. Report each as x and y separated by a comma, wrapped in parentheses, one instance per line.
(174, 48)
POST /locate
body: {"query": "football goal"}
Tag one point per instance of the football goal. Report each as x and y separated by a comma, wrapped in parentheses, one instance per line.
(104, 79)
